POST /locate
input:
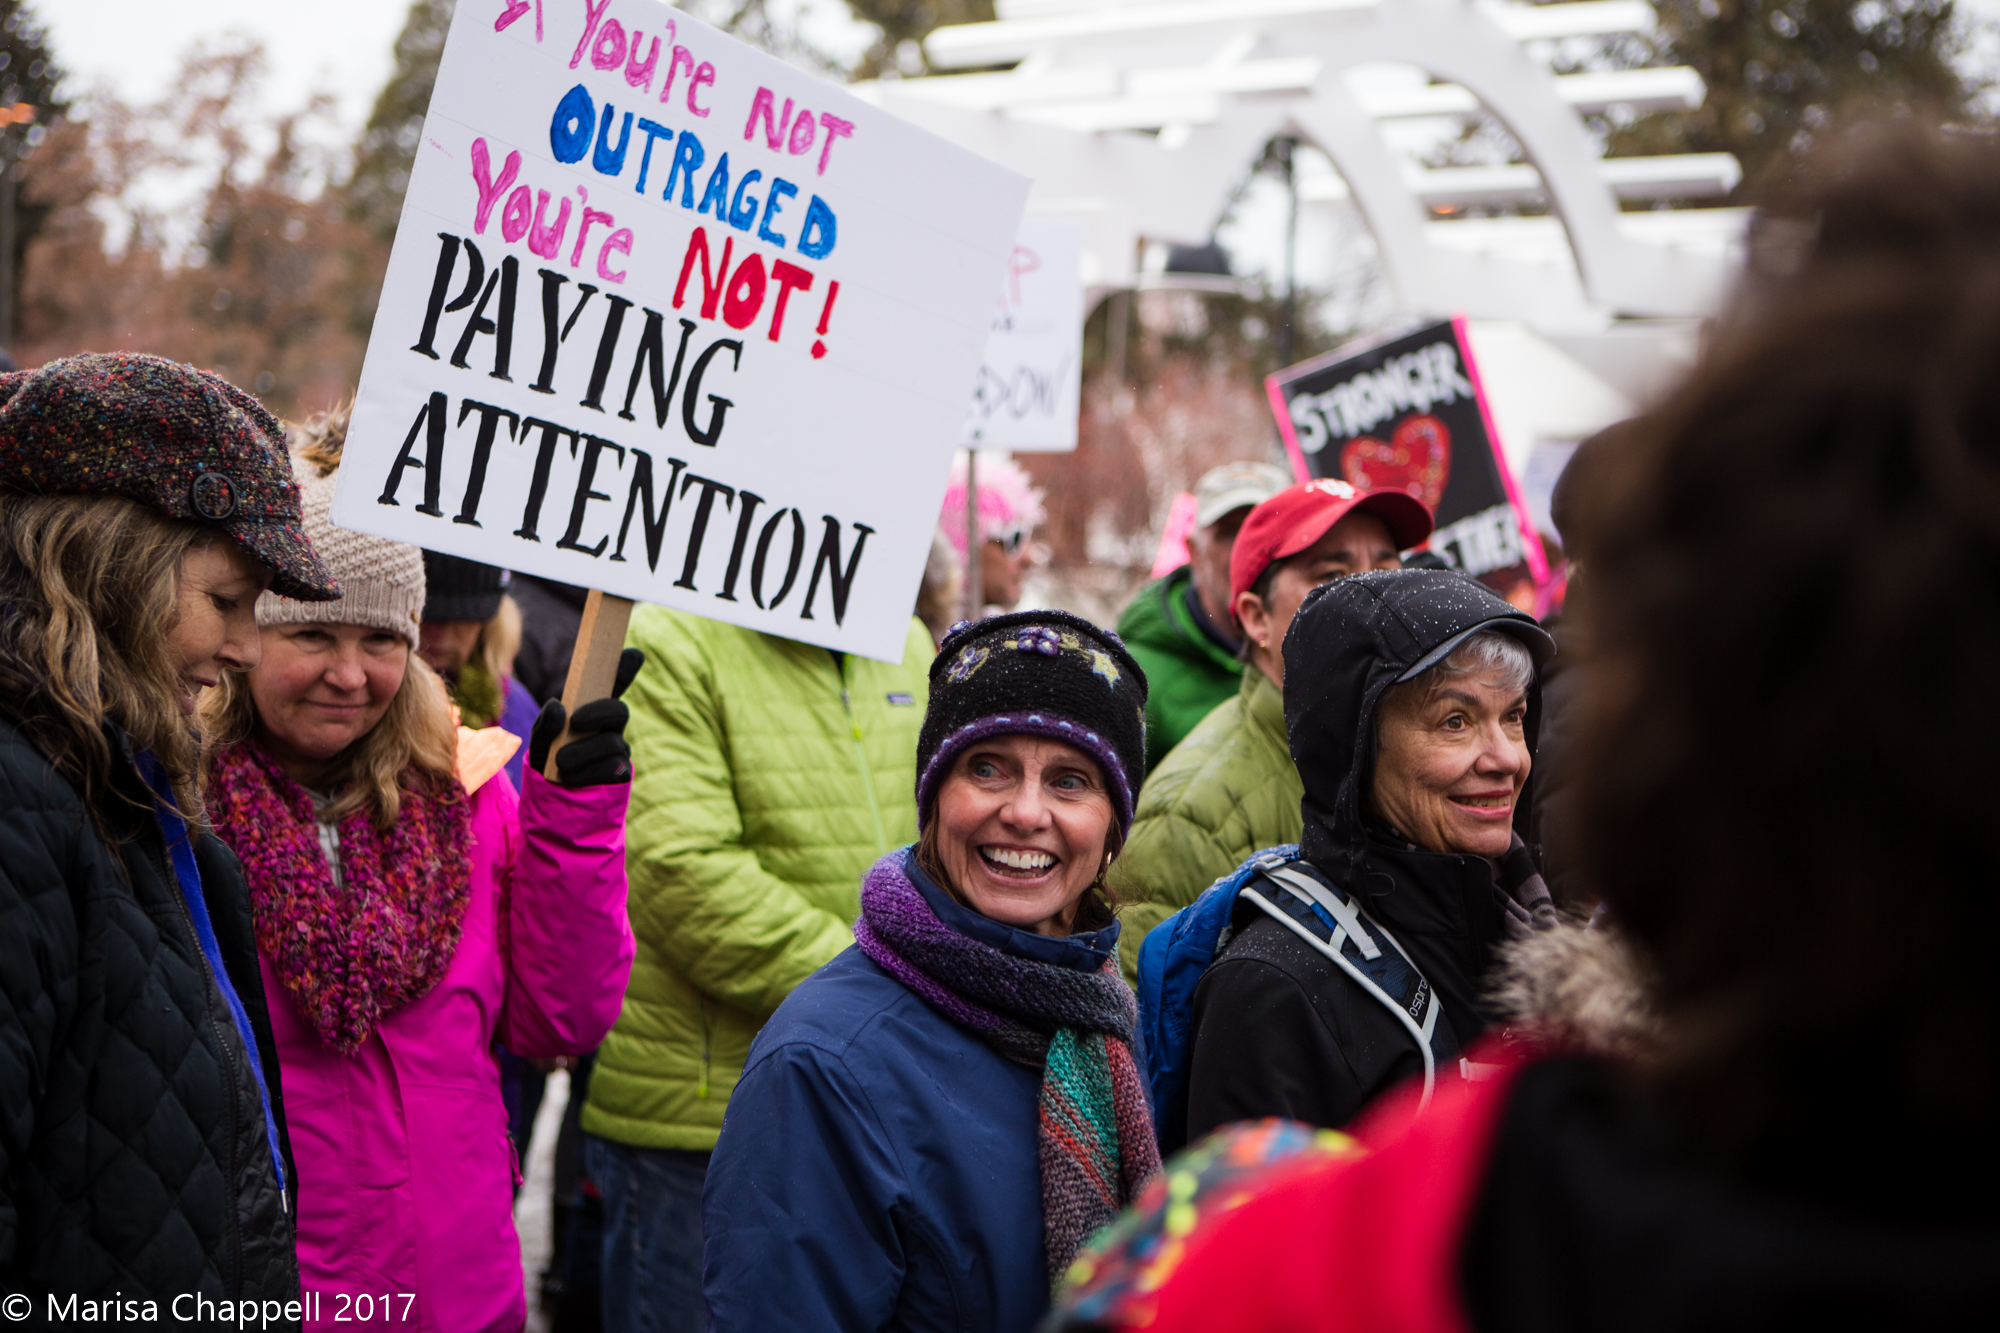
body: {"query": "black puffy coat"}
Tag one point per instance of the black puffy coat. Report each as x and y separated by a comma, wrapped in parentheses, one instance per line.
(133, 1154)
(1278, 1028)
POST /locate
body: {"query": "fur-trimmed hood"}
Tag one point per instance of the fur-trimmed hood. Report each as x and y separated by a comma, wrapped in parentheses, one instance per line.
(1577, 988)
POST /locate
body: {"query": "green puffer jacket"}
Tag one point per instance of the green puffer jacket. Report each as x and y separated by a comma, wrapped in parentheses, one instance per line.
(1187, 672)
(767, 779)
(1226, 791)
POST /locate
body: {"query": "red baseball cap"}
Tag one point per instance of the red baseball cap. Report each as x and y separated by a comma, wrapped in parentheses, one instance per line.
(1298, 516)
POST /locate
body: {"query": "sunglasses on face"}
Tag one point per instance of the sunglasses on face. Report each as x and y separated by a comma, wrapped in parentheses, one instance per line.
(1011, 541)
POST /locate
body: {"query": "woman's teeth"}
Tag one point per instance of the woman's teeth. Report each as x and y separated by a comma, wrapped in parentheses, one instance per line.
(1009, 859)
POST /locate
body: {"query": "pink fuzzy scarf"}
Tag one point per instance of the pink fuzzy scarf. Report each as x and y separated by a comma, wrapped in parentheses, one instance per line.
(348, 957)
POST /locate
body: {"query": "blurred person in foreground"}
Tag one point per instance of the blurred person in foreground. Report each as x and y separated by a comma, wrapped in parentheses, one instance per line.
(1010, 509)
(934, 1121)
(1551, 798)
(144, 507)
(1783, 798)
(771, 775)
(1181, 627)
(1230, 788)
(411, 908)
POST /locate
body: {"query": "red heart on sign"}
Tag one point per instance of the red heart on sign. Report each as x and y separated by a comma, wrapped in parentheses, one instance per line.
(1417, 459)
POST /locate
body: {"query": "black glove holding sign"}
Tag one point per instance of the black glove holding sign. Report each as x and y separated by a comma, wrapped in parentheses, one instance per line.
(596, 754)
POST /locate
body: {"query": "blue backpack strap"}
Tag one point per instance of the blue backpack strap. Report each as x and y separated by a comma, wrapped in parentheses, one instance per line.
(1334, 924)
(1172, 958)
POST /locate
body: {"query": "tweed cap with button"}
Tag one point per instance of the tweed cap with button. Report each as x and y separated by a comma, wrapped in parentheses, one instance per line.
(185, 441)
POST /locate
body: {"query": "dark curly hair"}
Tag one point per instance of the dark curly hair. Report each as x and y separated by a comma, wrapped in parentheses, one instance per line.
(1790, 749)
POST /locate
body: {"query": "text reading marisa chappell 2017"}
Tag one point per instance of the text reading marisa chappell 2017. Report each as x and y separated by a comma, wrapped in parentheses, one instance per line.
(340, 1307)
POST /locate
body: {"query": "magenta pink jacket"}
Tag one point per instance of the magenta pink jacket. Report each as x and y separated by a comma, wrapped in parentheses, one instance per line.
(405, 1166)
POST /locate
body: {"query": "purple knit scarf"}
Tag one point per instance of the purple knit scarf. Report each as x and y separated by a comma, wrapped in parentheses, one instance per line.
(1096, 1136)
(347, 956)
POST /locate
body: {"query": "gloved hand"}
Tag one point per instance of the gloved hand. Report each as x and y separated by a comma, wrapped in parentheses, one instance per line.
(596, 754)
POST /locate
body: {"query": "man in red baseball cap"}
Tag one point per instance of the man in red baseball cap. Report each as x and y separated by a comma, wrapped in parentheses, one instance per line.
(1230, 788)
(1305, 536)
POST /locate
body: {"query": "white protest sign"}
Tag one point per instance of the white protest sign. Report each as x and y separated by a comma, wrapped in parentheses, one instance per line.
(1031, 381)
(668, 318)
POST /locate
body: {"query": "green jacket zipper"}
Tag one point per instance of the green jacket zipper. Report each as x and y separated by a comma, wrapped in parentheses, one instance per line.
(861, 765)
(707, 1049)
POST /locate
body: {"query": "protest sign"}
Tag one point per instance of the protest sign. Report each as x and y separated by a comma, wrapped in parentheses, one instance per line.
(670, 319)
(1031, 381)
(1409, 413)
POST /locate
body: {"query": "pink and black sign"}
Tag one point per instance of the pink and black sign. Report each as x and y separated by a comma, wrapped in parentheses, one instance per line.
(1409, 414)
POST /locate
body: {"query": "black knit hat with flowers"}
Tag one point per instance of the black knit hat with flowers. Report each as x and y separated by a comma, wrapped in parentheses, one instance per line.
(1036, 673)
(185, 441)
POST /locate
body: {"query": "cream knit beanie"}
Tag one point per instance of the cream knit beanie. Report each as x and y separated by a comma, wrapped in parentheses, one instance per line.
(381, 581)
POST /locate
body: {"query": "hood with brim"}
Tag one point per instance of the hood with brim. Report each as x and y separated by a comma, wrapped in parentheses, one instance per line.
(1351, 641)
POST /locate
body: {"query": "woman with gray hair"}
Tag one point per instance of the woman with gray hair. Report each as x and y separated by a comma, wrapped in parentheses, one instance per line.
(1410, 708)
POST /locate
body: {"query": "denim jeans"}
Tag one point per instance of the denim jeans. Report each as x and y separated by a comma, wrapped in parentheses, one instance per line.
(652, 1235)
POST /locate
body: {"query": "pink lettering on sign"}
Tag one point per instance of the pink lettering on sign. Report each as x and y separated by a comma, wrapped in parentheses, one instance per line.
(703, 77)
(590, 217)
(835, 127)
(617, 243)
(592, 16)
(681, 56)
(514, 10)
(763, 104)
(641, 75)
(489, 189)
(514, 217)
(608, 51)
(544, 240)
(786, 133)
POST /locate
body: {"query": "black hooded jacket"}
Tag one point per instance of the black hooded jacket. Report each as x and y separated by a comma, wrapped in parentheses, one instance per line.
(1279, 1029)
(133, 1154)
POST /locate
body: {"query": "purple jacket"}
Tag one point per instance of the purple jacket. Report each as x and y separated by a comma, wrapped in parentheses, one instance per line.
(405, 1166)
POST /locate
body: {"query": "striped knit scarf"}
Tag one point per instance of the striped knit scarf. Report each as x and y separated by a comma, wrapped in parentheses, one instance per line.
(1097, 1147)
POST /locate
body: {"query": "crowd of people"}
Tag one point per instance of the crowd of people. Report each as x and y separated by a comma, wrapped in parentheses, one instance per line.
(1205, 974)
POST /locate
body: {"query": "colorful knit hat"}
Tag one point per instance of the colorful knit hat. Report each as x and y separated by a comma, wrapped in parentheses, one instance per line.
(184, 441)
(381, 581)
(1036, 673)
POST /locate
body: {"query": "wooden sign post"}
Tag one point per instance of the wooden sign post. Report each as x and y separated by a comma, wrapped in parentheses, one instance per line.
(593, 666)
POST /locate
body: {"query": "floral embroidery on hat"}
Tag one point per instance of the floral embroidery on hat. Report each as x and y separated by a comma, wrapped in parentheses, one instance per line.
(970, 659)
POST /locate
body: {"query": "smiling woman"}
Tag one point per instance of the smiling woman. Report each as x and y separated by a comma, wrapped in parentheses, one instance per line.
(144, 506)
(376, 864)
(1410, 707)
(930, 1125)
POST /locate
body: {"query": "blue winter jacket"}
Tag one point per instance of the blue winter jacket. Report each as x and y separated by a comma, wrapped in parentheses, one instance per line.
(877, 1167)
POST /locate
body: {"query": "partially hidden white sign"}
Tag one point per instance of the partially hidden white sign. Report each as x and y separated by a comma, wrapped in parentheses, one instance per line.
(1031, 380)
(669, 318)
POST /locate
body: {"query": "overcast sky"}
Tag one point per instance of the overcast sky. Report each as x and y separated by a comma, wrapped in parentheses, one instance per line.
(345, 47)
